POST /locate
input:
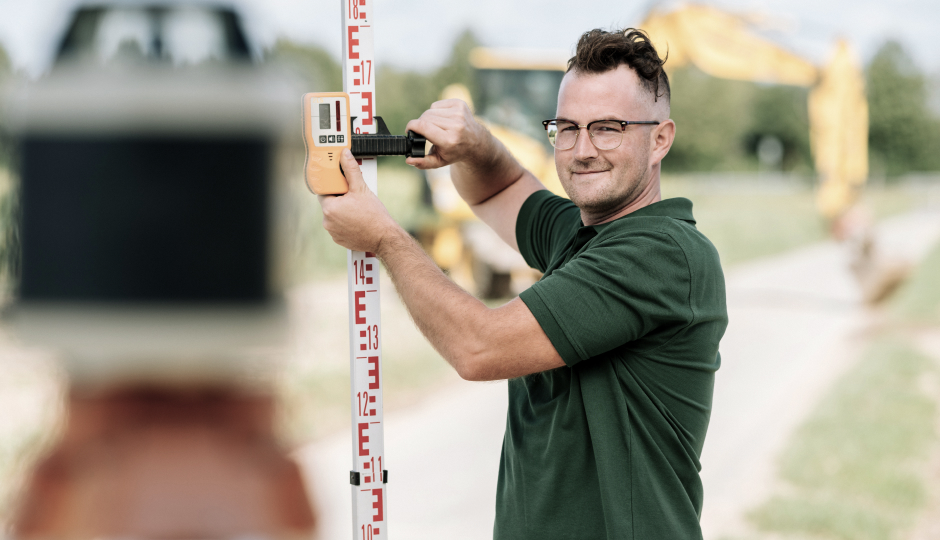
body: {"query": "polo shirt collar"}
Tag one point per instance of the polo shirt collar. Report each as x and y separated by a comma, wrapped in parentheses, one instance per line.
(676, 208)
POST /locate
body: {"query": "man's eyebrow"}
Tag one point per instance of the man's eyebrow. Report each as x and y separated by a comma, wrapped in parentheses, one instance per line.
(598, 120)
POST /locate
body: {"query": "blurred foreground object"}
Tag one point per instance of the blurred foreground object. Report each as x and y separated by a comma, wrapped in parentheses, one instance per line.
(148, 259)
(165, 463)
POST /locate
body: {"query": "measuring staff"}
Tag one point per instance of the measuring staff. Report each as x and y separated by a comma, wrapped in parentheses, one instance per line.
(335, 122)
(611, 355)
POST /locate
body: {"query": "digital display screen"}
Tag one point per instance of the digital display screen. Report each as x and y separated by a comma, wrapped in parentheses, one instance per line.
(324, 116)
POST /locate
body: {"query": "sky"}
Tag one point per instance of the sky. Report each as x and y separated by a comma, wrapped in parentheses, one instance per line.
(418, 34)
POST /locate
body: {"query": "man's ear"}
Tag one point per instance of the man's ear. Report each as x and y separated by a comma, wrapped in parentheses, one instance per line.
(662, 136)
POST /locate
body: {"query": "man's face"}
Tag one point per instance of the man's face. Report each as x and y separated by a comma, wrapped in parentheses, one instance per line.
(603, 181)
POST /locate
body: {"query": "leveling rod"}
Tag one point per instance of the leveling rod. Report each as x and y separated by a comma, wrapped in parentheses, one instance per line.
(332, 122)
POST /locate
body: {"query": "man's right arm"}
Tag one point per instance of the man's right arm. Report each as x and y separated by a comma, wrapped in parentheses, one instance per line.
(485, 174)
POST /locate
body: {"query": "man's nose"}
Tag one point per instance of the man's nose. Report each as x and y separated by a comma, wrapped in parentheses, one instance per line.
(583, 147)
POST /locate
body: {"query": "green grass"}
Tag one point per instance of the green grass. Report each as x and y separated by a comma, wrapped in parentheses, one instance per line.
(856, 469)
(313, 255)
(745, 219)
(745, 216)
(918, 303)
(748, 217)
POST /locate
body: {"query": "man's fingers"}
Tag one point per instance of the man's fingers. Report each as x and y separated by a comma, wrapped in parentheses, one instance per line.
(431, 130)
(450, 127)
(352, 171)
(430, 161)
(435, 122)
(449, 104)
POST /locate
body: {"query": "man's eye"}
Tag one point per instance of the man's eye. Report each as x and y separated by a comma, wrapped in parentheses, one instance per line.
(606, 128)
(567, 127)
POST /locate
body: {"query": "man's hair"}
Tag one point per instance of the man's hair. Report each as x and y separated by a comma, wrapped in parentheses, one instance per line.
(600, 51)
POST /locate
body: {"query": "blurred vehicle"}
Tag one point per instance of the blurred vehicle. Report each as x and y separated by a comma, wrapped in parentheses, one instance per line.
(149, 260)
(518, 89)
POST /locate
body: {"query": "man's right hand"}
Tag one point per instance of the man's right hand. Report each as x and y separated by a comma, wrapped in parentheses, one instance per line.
(455, 134)
(485, 174)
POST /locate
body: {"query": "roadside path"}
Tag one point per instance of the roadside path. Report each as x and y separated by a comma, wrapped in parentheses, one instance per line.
(796, 320)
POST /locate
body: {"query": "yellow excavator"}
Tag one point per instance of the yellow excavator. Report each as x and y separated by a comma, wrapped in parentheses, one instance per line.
(519, 89)
(724, 45)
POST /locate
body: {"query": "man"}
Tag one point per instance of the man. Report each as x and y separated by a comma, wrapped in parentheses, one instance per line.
(611, 355)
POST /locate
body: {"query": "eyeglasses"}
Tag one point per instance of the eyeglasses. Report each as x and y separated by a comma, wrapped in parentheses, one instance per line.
(605, 134)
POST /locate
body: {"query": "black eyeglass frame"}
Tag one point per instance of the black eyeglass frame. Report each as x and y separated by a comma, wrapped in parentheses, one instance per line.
(623, 127)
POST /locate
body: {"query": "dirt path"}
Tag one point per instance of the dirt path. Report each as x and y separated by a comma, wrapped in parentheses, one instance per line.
(795, 320)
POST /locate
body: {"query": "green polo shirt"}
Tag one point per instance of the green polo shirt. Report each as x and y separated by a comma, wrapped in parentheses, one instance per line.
(608, 446)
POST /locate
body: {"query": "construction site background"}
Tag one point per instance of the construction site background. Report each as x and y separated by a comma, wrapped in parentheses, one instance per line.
(742, 155)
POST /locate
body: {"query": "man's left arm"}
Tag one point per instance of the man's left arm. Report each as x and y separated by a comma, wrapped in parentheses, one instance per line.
(481, 343)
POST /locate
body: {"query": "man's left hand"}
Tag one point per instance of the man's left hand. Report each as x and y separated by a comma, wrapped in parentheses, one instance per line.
(356, 220)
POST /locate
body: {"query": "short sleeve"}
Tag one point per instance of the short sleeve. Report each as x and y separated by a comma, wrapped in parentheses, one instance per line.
(618, 290)
(545, 224)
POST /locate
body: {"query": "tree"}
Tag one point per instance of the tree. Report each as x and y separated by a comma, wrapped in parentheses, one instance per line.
(904, 133)
(8, 232)
(781, 111)
(404, 95)
(458, 69)
(6, 73)
(719, 123)
(314, 64)
(6, 67)
(712, 117)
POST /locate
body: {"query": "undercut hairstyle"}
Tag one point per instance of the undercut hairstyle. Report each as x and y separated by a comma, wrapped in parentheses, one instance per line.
(600, 51)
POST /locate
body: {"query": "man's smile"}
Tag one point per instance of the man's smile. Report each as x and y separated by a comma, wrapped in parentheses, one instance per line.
(589, 171)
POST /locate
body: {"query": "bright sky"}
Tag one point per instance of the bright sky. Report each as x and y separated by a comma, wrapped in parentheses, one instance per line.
(418, 34)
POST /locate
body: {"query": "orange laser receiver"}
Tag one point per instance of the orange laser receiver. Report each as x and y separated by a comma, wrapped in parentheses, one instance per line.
(326, 134)
(327, 131)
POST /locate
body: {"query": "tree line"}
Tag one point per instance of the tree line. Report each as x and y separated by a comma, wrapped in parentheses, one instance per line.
(720, 123)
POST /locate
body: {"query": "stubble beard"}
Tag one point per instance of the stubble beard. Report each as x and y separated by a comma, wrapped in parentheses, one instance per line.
(613, 196)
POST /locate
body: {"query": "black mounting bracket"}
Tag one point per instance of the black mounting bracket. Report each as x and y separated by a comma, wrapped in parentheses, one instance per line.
(383, 143)
(354, 477)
